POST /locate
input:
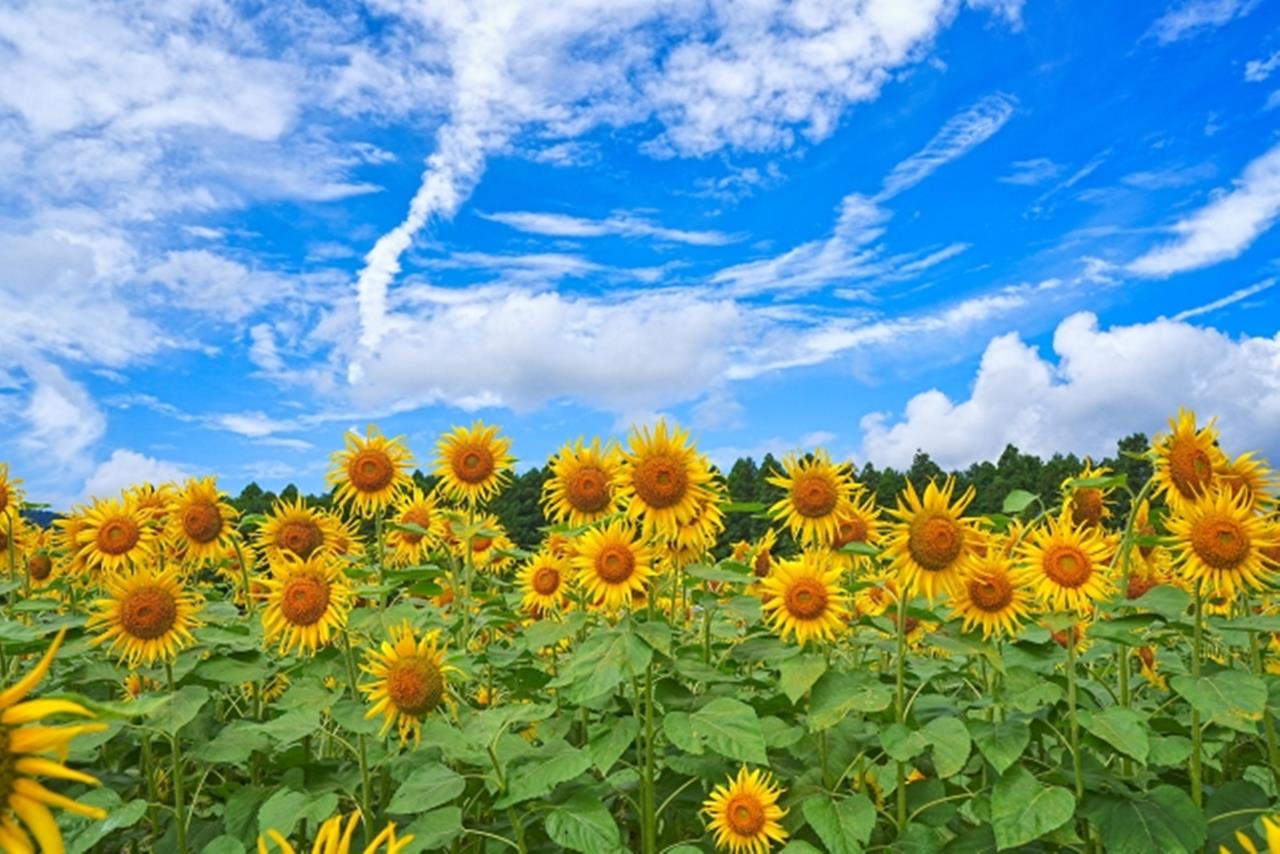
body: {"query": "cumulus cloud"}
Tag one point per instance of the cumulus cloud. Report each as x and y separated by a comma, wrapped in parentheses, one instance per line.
(62, 419)
(1103, 385)
(125, 468)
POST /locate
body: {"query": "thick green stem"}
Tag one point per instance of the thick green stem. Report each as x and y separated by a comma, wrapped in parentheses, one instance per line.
(1268, 722)
(1126, 698)
(900, 706)
(1196, 650)
(1077, 761)
(179, 813)
(650, 832)
(244, 576)
(149, 774)
(366, 787)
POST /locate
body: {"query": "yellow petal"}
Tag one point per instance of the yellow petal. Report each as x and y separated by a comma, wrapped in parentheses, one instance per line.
(14, 839)
(38, 766)
(23, 686)
(40, 822)
(36, 792)
(34, 710)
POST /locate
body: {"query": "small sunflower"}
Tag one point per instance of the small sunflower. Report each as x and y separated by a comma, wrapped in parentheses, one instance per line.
(473, 462)
(1067, 564)
(489, 547)
(410, 548)
(10, 493)
(292, 529)
(1251, 476)
(115, 533)
(583, 482)
(859, 524)
(992, 595)
(201, 520)
(334, 838)
(664, 478)
(411, 681)
(613, 564)
(543, 583)
(818, 495)
(147, 616)
(1089, 503)
(24, 756)
(931, 538)
(1146, 656)
(153, 500)
(875, 600)
(697, 536)
(743, 814)
(307, 603)
(803, 597)
(1187, 459)
(1218, 542)
(369, 471)
(762, 553)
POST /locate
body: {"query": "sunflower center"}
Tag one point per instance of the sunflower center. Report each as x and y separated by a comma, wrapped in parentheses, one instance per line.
(1067, 566)
(305, 598)
(371, 470)
(660, 481)
(587, 489)
(813, 495)
(1147, 655)
(763, 563)
(1147, 530)
(806, 598)
(116, 536)
(148, 612)
(201, 521)
(415, 685)
(40, 566)
(744, 814)
(481, 544)
(300, 537)
(472, 464)
(415, 516)
(1190, 468)
(1139, 585)
(546, 580)
(991, 593)
(1220, 542)
(935, 541)
(852, 530)
(615, 564)
(4, 496)
(1086, 507)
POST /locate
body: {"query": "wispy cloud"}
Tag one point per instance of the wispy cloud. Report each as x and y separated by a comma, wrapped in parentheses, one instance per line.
(1258, 70)
(1164, 179)
(619, 225)
(960, 135)
(1230, 299)
(1028, 173)
(1197, 15)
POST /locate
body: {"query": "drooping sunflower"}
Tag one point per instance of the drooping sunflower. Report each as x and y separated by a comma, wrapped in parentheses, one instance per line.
(201, 521)
(410, 548)
(802, 597)
(1188, 459)
(583, 481)
(307, 603)
(13, 530)
(473, 462)
(1218, 542)
(25, 746)
(931, 538)
(613, 564)
(875, 599)
(115, 533)
(817, 495)
(1089, 503)
(543, 583)
(292, 529)
(411, 681)
(664, 478)
(1252, 476)
(1067, 564)
(993, 595)
(859, 524)
(146, 616)
(369, 471)
(743, 814)
(334, 838)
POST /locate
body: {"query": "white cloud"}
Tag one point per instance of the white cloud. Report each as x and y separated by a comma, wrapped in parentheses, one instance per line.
(960, 135)
(1163, 179)
(1028, 173)
(1195, 16)
(1230, 299)
(1257, 70)
(204, 281)
(63, 420)
(620, 224)
(125, 468)
(1104, 385)
(1225, 227)
(725, 456)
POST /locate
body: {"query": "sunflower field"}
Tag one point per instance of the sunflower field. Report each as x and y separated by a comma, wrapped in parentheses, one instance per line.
(1095, 672)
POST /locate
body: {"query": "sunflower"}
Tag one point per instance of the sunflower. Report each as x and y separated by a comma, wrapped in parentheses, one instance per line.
(147, 615)
(334, 838)
(1089, 503)
(411, 680)
(1251, 476)
(410, 548)
(66, 540)
(1187, 459)
(859, 524)
(818, 495)
(489, 546)
(473, 462)
(1270, 829)
(10, 493)
(664, 478)
(875, 599)
(583, 481)
(803, 597)
(23, 757)
(201, 521)
(744, 814)
(694, 538)
(1067, 564)
(762, 553)
(292, 529)
(543, 583)
(931, 538)
(39, 561)
(115, 533)
(612, 564)
(1218, 542)
(992, 595)
(369, 471)
(1146, 656)
(135, 685)
(307, 602)
(13, 531)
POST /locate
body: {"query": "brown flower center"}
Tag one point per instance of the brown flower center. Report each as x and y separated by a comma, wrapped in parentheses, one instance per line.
(546, 580)
(148, 612)
(415, 516)
(1086, 507)
(371, 470)
(744, 814)
(305, 598)
(660, 481)
(1147, 655)
(117, 535)
(300, 537)
(806, 598)
(763, 563)
(1190, 468)
(852, 530)
(4, 496)
(813, 495)
(587, 489)
(40, 567)
(615, 564)
(1147, 530)
(481, 544)
(1220, 542)
(472, 463)
(991, 593)
(935, 541)
(1067, 566)
(201, 521)
(1139, 585)
(415, 685)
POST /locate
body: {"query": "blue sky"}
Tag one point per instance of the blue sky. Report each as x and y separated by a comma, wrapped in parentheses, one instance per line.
(228, 234)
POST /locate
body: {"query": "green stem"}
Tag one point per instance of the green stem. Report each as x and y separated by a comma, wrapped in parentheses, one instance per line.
(1126, 699)
(1268, 722)
(244, 576)
(468, 564)
(1077, 761)
(1196, 649)
(149, 773)
(179, 814)
(650, 818)
(900, 706)
(366, 786)
(383, 598)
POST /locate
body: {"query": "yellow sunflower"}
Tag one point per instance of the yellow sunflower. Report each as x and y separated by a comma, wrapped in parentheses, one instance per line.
(664, 478)
(411, 680)
(876, 599)
(859, 524)
(1218, 542)
(613, 564)
(1251, 476)
(334, 838)
(1270, 829)
(993, 595)
(115, 533)
(489, 547)
(13, 531)
(473, 462)
(818, 495)
(697, 536)
(583, 481)
(1067, 564)
(543, 583)
(803, 597)
(307, 603)
(1146, 656)
(1187, 459)
(66, 540)
(292, 529)
(762, 553)
(931, 538)
(146, 616)
(410, 548)
(10, 493)
(1089, 503)
(24, 754)
(743, 814)
(369, 471)
(201, 520)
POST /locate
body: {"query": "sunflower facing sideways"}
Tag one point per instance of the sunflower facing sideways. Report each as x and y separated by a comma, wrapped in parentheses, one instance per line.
(992, 595)
(473, 463)
(1089, 503)
(743, 813)
(931, 538)
(582, 483)
(1187, 459)
(1218, 542)
(23, 757)
(334, 838)
(201, 521)
(1067, 564)
(664, 478)
(114, 533)
(613, 564)
(859, 524)
(408, 547)
(817, 496)
(369, 471)
(803, 597)
(146, 616)
(409, 680)
(543, 583)
(307, 603)
(10, 493)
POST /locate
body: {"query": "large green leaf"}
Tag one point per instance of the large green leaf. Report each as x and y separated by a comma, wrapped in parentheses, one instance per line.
(582, 823)
(797, 675)
(181, 709)
(1164, 820)
(1123, 729)
(1231, 698)
(610, 741)
(1234, 805)
(234, 744)
(901, 742)
(434, 830)
(950, 743)
(428, 786)
(730, 728)
(843, 825)
(287, 807)
(556, 763)
(836, 694)
(1023, 809)
(1001, 742)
